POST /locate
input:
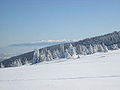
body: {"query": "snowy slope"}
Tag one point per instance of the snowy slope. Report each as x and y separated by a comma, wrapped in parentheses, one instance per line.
(100, 71)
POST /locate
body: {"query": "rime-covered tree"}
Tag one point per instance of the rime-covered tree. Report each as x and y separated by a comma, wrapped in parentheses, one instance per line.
(67, 55)
(72, 51)
(19, 63)
(1, 65)
(95, 48)
(43, 55)
(100, 48)
(62, 51)
(26, 62)
(104, 47)
(56, 54)
(49, 56)
(80, 49)
(15, 63)
(91, 51)
(114, 47)
(83, 50)
(36, 56)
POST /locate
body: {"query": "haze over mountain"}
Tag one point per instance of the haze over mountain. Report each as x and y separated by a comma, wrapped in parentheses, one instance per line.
(20, 48)
(42, 43)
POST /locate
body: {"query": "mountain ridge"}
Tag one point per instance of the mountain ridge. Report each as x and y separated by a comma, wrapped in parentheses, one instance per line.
(110, 40)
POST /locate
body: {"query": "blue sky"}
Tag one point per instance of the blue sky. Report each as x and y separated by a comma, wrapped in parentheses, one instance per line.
(33, 20)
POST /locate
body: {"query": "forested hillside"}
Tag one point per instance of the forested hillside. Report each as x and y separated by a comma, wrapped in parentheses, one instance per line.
(87, 46)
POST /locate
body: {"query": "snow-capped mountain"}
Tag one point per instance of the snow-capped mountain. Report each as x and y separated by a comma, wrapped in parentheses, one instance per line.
(43, 43)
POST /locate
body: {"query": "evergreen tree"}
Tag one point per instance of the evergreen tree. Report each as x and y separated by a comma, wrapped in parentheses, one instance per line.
(83, 50)
(104, 47)
(15, 63)
(72, 51)
(95, 48)
(1, 65)
(100, 48)
(19, 63)
(49, 56)
(80, 49)
(26, 62)
(43, 55)
(62, 51)
(56, 54)
(36, 56)
(67, 55)
(114, 47)
(91, 51)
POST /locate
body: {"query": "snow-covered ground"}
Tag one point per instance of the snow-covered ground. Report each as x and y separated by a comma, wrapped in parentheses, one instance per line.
(100, 71)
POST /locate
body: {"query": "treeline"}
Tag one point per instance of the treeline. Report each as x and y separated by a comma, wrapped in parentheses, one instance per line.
(68, 50)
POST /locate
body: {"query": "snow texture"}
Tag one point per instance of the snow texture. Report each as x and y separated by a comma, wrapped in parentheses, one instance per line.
(99, 71)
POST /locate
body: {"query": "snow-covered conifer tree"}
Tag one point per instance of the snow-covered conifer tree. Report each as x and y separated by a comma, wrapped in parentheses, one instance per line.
(83, 50)
(15, 63)
(90, 49)
(56, 54)
(19, 63)
(104, 47)
(1, 65)
(72, 51)
(95, 48)
(49, 56)
(62, 51)
(26, 62)
(67, 55)
(100, 48)
(114, 47)
(80, 49)
(36, 56)
(43, 55)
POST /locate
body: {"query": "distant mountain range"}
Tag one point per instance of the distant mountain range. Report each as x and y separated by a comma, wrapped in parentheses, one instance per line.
(42, 43)
(19, 48)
